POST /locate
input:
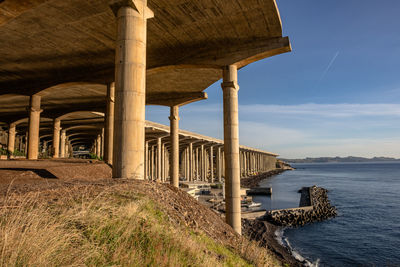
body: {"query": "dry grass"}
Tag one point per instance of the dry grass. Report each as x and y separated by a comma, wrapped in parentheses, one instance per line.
(112, 227)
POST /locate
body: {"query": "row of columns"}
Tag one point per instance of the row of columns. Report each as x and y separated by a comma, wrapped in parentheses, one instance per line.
(201, 163)
(60, 144)
(252, 163)
(128, 131)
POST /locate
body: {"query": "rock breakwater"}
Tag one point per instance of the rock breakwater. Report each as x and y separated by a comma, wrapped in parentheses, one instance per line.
(314, 206)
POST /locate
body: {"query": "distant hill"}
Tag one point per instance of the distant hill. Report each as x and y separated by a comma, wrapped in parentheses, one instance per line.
(339, 159)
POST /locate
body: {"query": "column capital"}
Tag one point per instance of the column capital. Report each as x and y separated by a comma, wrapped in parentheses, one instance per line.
(33, 109)
(138, 5)
(230, 84)
(174, 118)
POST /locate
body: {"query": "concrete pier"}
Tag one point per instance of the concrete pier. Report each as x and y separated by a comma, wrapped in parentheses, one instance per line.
(11, 138)
(174, 136)
(34, 124)
(231, 147)
(56, 138)
(130, 88)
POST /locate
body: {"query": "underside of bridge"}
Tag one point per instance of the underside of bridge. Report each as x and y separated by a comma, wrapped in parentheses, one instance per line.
(79, 73)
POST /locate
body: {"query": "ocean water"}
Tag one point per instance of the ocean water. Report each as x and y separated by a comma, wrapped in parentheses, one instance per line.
(366, 231)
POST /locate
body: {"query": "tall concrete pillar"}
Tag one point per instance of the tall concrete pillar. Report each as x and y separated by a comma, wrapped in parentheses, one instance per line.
(191, 165)
(98, 146)
(164, 161)
(197, 164)
(174, 135)
(56, 138)
(231, 147)
(211, 164)
(34, 124)
(146, 159)
(159, 159)
(244, 164)
(187, 159)
(62, 143)
(152, 163)
(219, 164)
(202, 164)
(102, 143)
(66, 148)
(130, 87)
(11, 138)
(109, 124)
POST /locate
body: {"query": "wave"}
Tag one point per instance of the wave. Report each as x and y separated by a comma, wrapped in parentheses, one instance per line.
(284, 241)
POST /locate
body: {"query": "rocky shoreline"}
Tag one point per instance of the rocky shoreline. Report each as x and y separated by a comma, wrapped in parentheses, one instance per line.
(253, 181)
(264, 233)
(314, 206)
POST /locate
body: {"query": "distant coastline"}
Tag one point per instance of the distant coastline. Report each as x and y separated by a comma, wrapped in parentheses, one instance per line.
(340, 159)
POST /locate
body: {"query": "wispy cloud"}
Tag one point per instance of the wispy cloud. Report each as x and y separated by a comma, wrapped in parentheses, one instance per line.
(302, 130)
(329, 66)
(326, 110)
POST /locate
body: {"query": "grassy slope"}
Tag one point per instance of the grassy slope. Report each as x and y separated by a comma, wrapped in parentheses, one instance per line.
(111, 227)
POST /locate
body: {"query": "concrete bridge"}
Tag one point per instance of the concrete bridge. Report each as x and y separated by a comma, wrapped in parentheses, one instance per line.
(71, 68)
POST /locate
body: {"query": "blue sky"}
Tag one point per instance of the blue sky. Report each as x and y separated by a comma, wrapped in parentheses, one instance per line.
(336, 94)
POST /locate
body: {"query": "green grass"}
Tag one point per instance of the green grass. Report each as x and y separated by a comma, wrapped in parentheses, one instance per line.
(111, 228)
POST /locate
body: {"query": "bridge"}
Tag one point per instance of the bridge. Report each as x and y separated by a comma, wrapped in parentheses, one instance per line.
(79, 73)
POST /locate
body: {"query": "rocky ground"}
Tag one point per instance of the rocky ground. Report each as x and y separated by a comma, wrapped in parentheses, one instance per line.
(48, 176)
(264, 233)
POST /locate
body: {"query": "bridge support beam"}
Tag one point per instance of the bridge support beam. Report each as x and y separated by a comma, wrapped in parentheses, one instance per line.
(130, 88)
(231, 147)
(34, 124)
(56, 138)
(62, 143)
(98, 146)
(109, 124)
(211, 164)
(11, 138)
(174, 135)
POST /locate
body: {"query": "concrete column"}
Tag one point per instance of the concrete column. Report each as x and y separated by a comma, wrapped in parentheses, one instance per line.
(56, 138)
(152, 163)
(102, 143)
(34, 124)
(219, 164)
(211, 164)
(159, 159)
(164, 163)
(62, 143)
(197, 164)
(109, 124)
(187, 164)
(231, 147)
(202, 163)
(26, 144)
(191, 165)
(98, 146)
(11, 138)
(244, 164)
(174, 135)
(146, 159)
(66, 148)
(130, 88)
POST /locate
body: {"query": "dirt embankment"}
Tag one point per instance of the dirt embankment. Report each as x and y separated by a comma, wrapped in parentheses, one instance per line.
(50, 177)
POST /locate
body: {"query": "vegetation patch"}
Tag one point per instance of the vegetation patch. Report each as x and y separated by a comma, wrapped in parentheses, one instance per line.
(108, 227)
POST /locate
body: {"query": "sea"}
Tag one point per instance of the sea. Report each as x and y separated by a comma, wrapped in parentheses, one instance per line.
(366, 231)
